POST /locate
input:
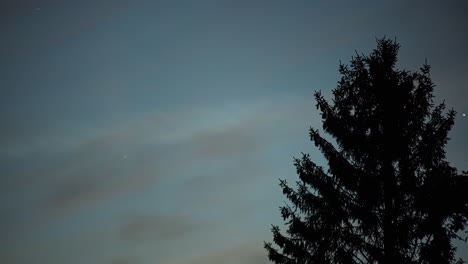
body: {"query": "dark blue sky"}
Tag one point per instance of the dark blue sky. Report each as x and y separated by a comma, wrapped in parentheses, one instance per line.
(156, 131)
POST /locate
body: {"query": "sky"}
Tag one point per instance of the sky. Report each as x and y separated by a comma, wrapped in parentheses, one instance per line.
(156, 131)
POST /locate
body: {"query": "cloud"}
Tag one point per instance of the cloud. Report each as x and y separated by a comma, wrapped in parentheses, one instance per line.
(226, 142)
(98, 171)
(124, 260)
(157, 227)
(89, 169)
(161, 145)
(247, 253)
(99, 185)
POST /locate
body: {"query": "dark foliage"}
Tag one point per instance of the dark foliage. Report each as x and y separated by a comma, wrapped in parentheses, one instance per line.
(389, 195)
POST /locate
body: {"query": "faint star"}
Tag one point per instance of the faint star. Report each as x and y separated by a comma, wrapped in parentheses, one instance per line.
(37, 8)
(124, 156)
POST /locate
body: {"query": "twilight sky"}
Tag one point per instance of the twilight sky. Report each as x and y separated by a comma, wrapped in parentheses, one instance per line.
(155, 131)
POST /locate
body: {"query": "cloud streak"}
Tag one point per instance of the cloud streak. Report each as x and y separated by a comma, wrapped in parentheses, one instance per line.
(157, 227)
(91, 169)
(247, 253)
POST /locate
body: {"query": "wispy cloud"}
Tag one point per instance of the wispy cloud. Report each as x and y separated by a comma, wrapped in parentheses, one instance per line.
(157, 227)
(136, 153)
(132, 154)
(248, 253)
(124, 260)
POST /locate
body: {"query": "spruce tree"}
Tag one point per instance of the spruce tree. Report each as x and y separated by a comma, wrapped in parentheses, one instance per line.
(388, 194)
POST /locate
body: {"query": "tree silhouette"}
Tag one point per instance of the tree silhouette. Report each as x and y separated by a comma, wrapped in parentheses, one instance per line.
(388, 195)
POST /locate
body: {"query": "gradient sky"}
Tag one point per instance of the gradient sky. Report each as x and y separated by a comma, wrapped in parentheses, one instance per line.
(156, 131)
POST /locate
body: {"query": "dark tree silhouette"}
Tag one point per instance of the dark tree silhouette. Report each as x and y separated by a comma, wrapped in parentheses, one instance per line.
(388, 195)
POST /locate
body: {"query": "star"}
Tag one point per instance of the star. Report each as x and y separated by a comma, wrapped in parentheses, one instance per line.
(37, 9)
(463, 114)
(124, 156)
